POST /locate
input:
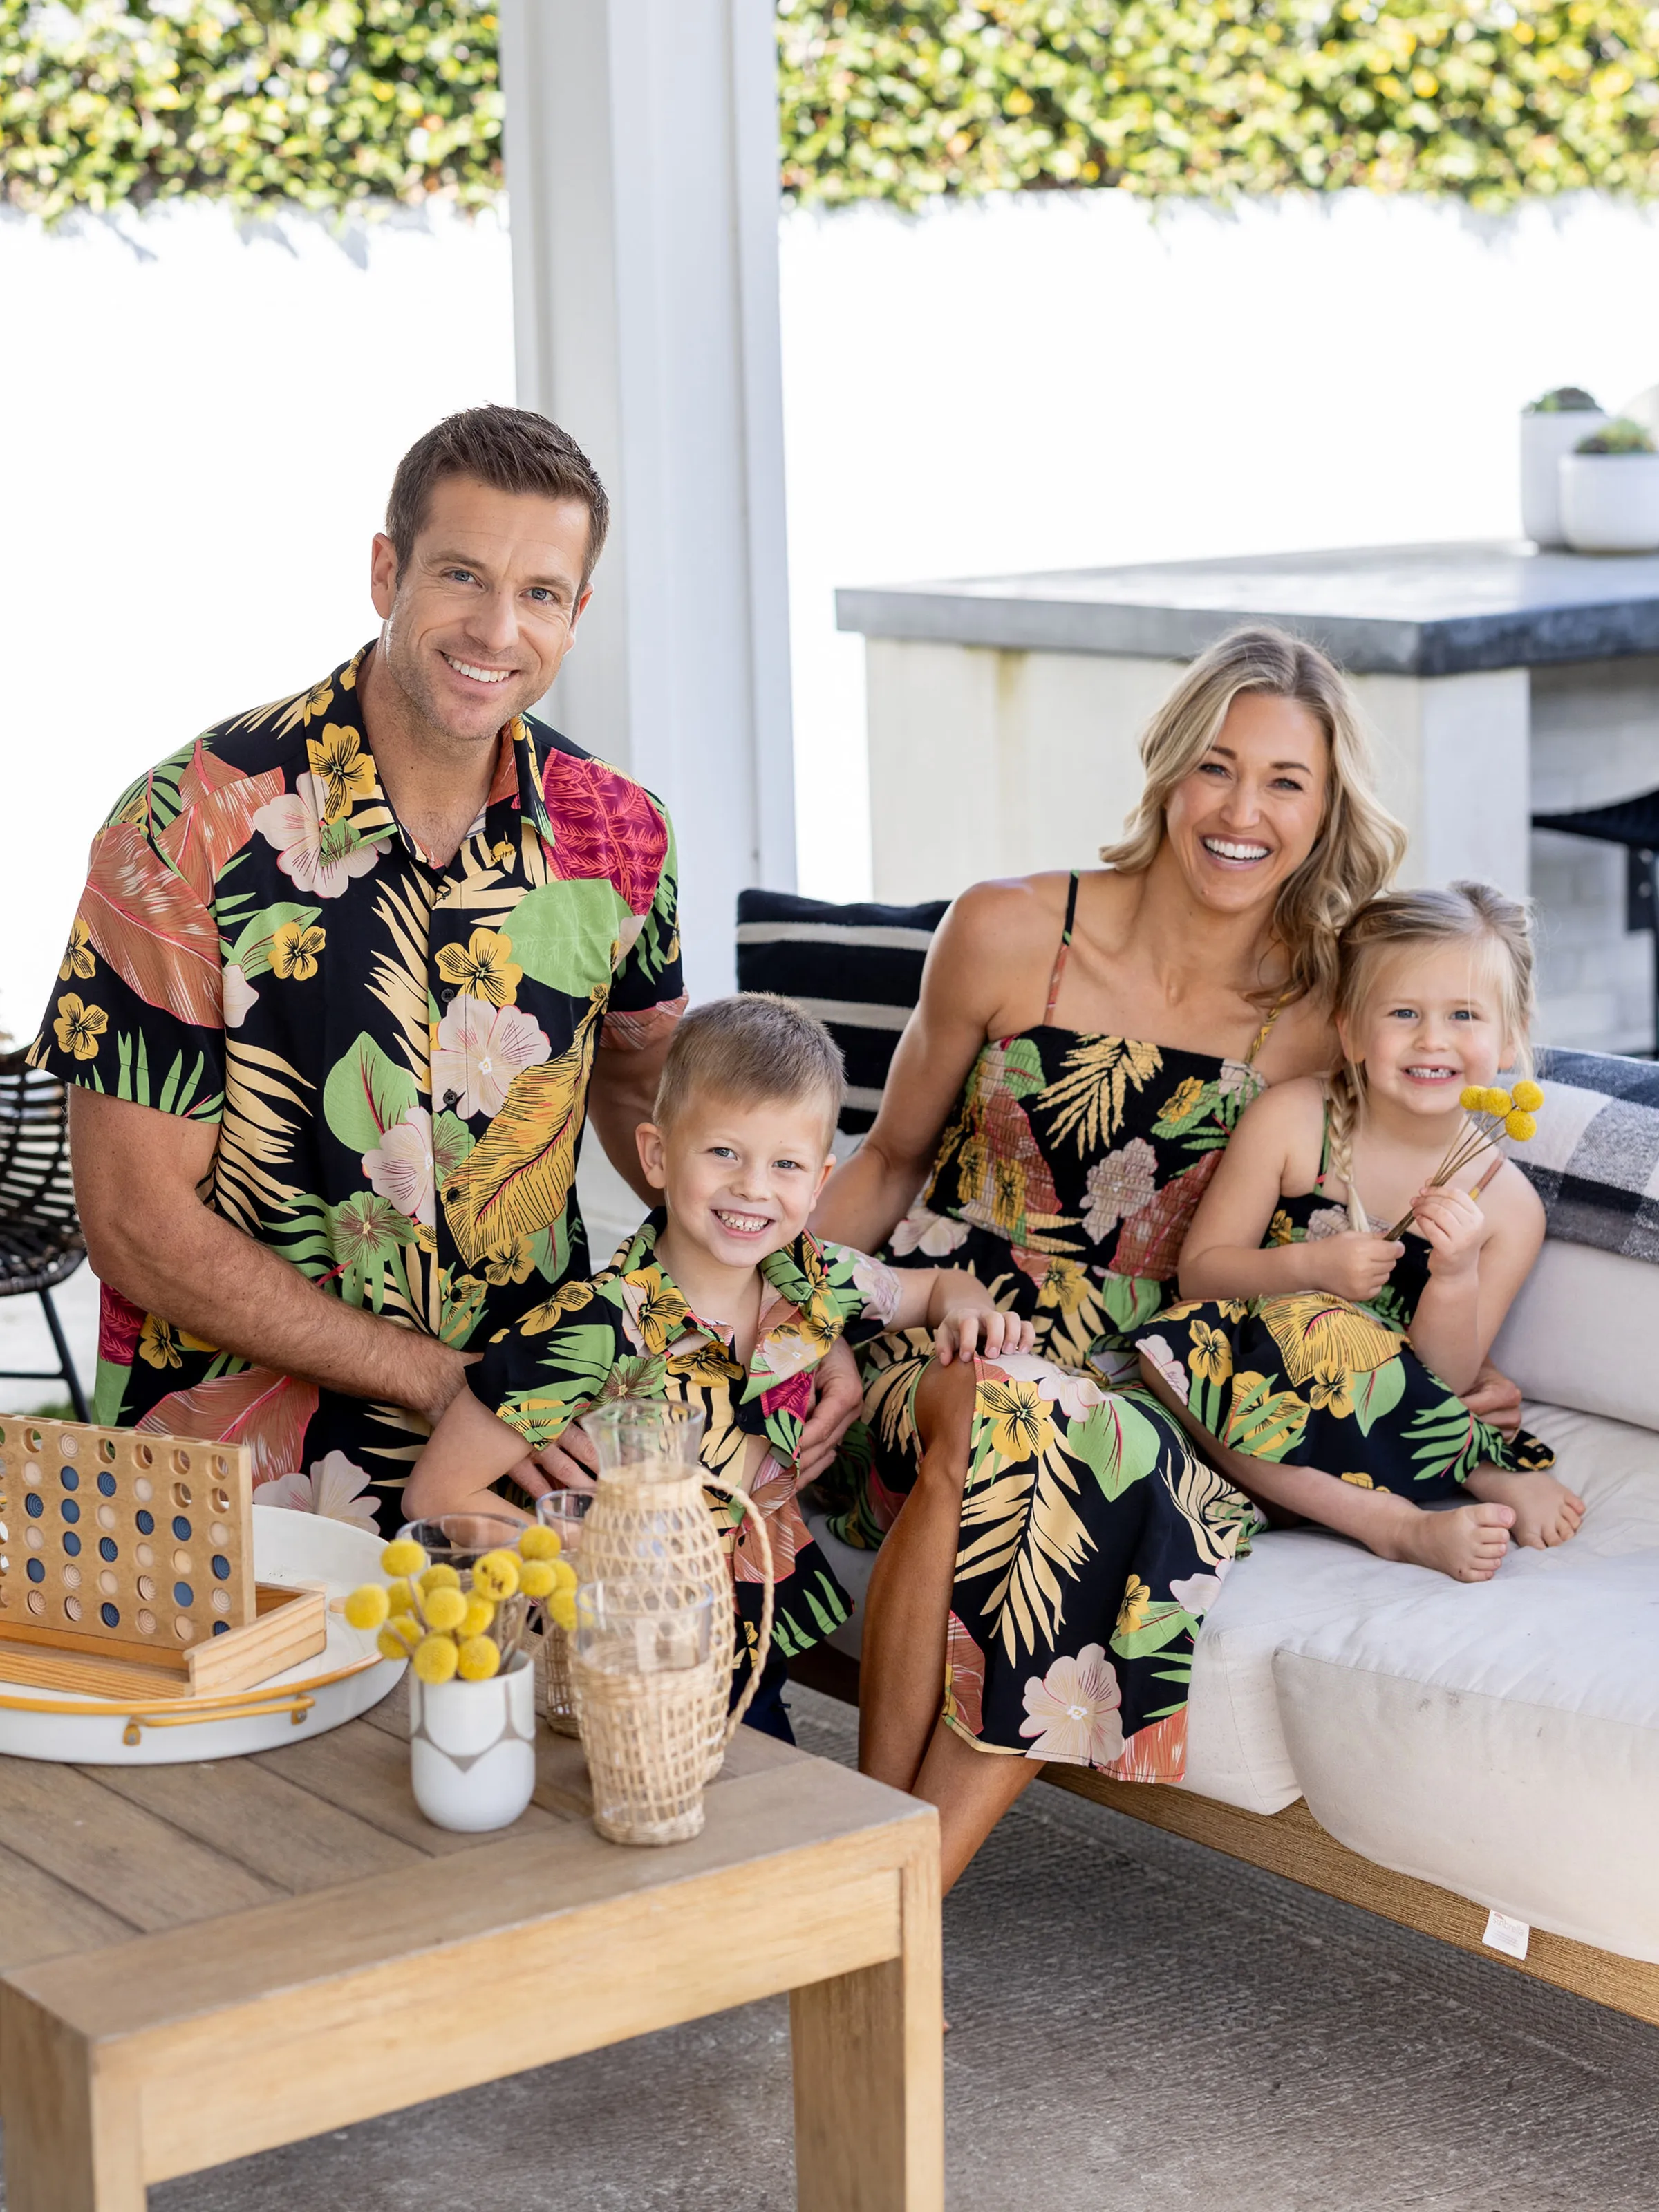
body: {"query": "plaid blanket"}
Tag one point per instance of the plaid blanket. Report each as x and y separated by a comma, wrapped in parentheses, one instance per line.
(1594, 1161)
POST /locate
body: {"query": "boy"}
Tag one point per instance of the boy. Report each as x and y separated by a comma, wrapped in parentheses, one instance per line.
(723, 1300)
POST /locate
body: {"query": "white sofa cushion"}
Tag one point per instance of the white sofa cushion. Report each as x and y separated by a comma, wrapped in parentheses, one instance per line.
(1582, 1332)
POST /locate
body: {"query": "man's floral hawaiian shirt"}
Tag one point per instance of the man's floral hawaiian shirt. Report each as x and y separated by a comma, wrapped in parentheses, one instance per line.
(630, 1333)
(397, 1055)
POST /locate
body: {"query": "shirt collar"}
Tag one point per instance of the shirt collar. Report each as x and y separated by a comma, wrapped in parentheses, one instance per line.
(798, 1322)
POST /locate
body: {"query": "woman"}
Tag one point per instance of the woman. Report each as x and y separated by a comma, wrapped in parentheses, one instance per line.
(1081, 1050)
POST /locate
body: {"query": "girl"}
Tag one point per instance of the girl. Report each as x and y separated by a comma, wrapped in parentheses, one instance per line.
(1319, 1362)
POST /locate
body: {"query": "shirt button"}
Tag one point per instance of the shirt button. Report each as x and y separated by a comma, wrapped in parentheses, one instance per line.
(446, 993)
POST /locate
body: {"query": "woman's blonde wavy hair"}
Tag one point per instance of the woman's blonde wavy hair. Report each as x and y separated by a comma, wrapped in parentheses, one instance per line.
(1359, 843)
(1498, 930)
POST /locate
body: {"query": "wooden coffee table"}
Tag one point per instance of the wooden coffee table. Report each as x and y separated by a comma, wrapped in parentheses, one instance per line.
(204, 1961)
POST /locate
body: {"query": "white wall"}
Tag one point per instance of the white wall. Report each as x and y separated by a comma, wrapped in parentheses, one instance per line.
(199, 429)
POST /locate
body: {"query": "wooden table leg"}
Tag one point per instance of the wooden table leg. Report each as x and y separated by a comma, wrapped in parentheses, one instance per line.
(72, 2139)
(869, 2065)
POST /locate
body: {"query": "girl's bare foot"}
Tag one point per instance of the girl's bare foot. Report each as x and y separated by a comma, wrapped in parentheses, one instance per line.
(1546, 1511)
(1468, 1542)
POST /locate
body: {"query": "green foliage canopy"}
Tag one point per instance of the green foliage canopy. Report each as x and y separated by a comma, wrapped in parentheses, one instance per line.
(336, 104)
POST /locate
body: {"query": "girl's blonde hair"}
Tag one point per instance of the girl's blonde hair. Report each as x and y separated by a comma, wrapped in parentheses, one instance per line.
(1496, 927)
(1359, 843)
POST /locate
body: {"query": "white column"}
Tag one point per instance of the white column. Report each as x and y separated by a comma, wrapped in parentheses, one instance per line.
(641, 156)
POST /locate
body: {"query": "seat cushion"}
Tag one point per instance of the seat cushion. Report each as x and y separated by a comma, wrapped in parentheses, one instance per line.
(1580, 1332)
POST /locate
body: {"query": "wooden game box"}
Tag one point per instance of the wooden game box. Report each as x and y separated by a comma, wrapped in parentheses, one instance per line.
(126, 1567)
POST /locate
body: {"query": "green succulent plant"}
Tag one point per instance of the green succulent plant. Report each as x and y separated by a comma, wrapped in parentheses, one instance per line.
(1621, 435)
(1565, 399)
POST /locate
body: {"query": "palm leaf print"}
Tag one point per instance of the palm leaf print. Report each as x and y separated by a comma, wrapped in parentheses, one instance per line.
(1023, 1528)
(264, 1410)
(151, 928)
(1085, 1101)
(398, 977)
(217, 826)
(1313, 1330)
(518, 1177)
(255, 1136)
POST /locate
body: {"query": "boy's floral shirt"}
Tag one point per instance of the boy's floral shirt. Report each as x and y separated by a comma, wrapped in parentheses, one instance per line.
(396, 1055)
(631, 1333)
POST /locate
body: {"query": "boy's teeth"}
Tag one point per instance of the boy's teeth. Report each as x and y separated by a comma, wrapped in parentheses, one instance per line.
(750, 1222)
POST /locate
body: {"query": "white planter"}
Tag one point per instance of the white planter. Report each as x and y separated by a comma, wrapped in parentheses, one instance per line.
(472, 1747)
(1610, 502)
(1544, 440)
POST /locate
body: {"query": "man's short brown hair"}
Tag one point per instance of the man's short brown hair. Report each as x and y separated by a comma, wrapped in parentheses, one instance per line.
(509, 449)
(749, 1050)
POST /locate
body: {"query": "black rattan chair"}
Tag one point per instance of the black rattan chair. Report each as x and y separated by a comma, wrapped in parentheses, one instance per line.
(40, 1240)
(1633, 824)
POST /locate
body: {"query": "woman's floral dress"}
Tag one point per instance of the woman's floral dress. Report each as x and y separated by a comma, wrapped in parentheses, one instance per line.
(1093, 1538)
(1306, 1379)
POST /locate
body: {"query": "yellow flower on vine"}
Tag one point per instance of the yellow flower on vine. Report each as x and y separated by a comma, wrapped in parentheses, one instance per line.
(294, 951)
(343, 768)
(78, 1027)
(77, 962)
(485, 968)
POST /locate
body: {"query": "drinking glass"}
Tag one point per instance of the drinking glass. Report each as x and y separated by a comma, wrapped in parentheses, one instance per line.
(564, 1511)
(642, 1665)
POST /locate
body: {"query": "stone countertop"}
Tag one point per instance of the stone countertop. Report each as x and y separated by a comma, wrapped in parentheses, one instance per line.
(1393, 609)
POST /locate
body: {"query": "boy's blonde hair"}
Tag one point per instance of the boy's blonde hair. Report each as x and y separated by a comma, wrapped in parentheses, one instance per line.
(1359, 844)
(751, 1049)
(1496, 927)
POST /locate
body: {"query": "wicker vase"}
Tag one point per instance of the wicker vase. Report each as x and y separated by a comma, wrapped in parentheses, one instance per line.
(650, 1521)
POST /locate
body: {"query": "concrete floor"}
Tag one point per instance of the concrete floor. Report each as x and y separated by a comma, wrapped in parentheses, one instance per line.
(1136, 2023)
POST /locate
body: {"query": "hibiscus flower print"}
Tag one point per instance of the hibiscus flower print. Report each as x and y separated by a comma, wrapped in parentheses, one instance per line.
(340, 765)
(401, 1167)
(656, 1313)
(1136, 1604)
(334, 1488)
(1330, 1390)
(1119, 1184)
(296, 951)
(240, 996)
(1022, 1427)
(1211, 1356)
(1073, 1711)
(1196, 1594)
(158, 1343)
(485, 968)
(879, 1285)
(78, 1027)
(509, 1263)
(321, 856)
(1328, 1221)
(1075, 1394)
(480, 1049)
(1161, 1352)
(935, 1234)
(79, 962)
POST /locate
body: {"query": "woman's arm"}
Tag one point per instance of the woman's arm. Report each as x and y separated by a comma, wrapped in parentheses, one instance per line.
(989, 944)
(1483, 1252)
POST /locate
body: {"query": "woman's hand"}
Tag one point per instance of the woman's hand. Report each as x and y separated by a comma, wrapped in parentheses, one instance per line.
(965, 1326)
(1455, 1228)
(1494, 1398)
(1354, 1265)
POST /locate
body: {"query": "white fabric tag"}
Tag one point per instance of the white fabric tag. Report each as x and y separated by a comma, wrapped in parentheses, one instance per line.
(1510, 1936)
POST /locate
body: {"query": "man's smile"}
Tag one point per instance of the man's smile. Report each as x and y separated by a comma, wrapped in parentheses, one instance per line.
(471, 668)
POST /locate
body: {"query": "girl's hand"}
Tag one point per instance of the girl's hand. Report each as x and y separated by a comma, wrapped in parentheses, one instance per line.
(964, 1326)
(1455, 1228)
(1354, 1265)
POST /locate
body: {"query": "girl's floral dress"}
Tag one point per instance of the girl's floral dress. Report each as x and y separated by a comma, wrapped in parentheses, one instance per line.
(1306, 1379)
(1093, 1538)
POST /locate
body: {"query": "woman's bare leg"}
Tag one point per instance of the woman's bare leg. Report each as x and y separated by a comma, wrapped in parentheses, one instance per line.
(972, 1789)
(907, 1609)
(1468, 1542)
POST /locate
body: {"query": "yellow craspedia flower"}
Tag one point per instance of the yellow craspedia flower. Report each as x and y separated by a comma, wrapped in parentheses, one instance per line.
(445, 1608)
(1520, 1126)
(399, 1596)
(1498, 1101)
(1471, 1098)
(408, 1628)
(441, 1576)
(496, 1574)
(1528, 1096)
(369, 1607)
(539, 1543)
(480, 1657)
(403, 1557)
(391, 1645)
(479, 1615)
(564, 1576)
(536, 1578)
(436, 1658)
(562, 1608)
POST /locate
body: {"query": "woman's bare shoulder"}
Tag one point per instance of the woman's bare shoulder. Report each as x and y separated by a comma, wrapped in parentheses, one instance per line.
(1006, 920)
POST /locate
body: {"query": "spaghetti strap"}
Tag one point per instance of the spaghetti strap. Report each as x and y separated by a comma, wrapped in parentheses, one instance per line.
(1065, 947)
(1497, 1163)
(1265, 1029)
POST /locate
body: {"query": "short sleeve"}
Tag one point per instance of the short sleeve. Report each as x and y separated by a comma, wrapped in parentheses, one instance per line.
(866, 1291)
(648, 993)
(140, 1004)
(549, 1367)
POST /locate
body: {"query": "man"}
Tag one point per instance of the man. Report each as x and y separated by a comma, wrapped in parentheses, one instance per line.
(348, 975)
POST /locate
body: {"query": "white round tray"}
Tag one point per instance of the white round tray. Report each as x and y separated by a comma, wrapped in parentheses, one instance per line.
(339, 1683)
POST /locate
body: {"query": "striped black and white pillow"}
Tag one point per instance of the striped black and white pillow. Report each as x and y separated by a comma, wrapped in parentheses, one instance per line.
(857, 968)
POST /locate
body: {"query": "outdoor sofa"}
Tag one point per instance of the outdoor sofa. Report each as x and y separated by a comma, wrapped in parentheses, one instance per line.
(1435, 1752)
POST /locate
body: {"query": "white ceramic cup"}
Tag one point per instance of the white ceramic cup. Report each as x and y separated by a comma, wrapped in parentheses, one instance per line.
(472, 1747)
(1610, 502)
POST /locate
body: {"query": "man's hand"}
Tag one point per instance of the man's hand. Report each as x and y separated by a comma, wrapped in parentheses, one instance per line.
(1495, 1398)
(841, 1399)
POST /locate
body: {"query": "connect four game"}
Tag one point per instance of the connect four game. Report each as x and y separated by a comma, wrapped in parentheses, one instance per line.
(113, 1540)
